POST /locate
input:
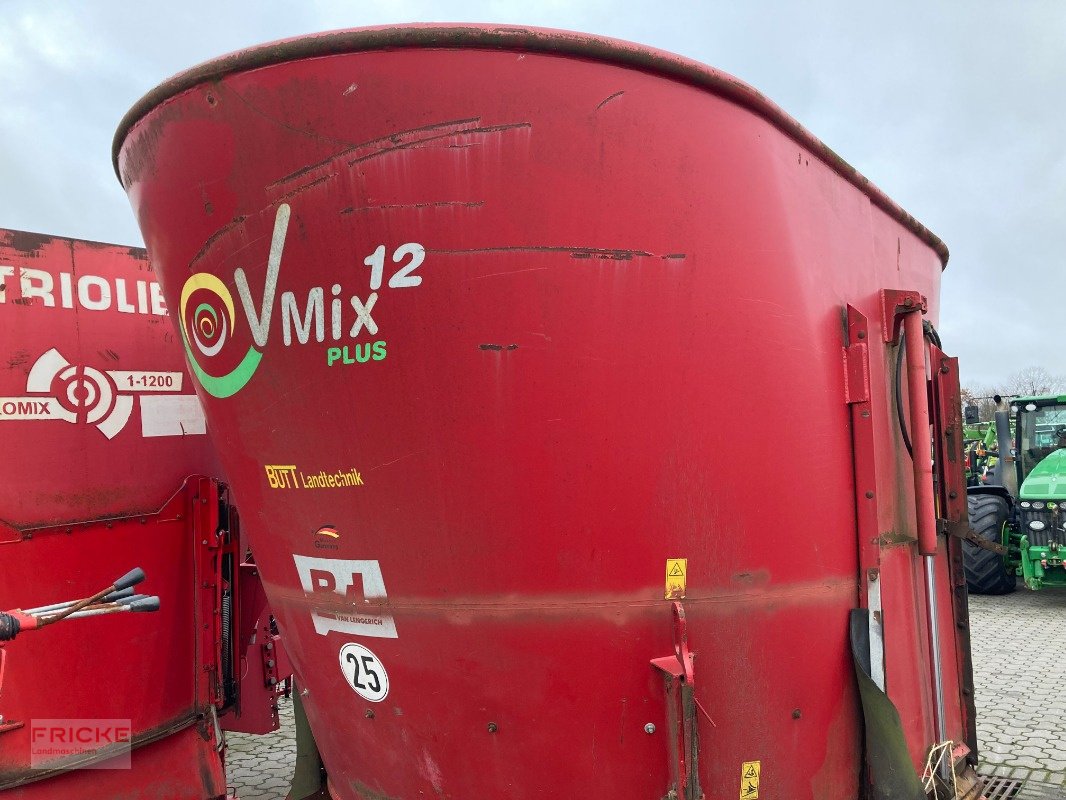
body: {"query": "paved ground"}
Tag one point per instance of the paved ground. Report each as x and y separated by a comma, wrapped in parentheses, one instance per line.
(1015, 659)
(260, 767)
(1018, 675)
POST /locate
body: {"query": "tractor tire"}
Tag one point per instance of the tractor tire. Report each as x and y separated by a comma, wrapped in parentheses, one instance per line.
(985, 570)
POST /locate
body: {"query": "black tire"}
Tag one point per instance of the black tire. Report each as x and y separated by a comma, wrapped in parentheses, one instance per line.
(986, 571)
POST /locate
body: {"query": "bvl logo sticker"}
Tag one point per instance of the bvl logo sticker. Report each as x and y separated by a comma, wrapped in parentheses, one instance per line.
(347, 596)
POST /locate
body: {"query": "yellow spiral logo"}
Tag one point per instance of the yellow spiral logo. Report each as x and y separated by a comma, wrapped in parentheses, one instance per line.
(209, 326)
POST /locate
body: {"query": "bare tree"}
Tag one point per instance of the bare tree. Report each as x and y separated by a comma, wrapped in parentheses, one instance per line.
(1034, 381)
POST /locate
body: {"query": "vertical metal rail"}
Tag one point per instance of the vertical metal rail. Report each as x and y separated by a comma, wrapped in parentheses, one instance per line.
(922, 462)
(925, 506)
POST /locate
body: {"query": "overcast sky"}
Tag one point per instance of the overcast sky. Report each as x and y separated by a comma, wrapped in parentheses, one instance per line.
(956, 109)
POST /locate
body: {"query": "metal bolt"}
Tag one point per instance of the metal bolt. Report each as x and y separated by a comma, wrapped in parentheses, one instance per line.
(869, 495)
(493, 727)
(269, 645)
(796, 713)
(270, 663)
(369, 713)
(272, 680)
(862, 334)
(953, 495)
(649, 728)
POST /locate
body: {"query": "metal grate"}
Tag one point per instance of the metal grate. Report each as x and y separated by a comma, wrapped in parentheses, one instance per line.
(1001, 788)
(1054, 532)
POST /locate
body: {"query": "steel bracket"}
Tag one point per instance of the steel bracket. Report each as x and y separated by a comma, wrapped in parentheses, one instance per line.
(895, 303)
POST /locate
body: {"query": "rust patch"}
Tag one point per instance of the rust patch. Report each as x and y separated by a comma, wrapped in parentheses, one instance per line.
(613, 607)
(426, 140)
(438, 204)
(395, 137)
(497, 347)
(523, 40)
(759, 577)
(305, 187)
(889, 538)
(574, 252)
(26, 242)
(18, 359)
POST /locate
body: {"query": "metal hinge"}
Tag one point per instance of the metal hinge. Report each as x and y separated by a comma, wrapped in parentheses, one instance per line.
(968, 534)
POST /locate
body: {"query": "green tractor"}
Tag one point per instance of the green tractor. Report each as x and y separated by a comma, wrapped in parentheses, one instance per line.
(1018, 521)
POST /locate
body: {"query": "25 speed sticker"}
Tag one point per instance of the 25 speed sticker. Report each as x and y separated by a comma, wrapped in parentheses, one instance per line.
(364, 672)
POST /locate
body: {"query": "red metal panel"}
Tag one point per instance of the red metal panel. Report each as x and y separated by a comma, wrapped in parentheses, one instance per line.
(95, 399)
(101, 423)
(141, 667)
(264, 662)
(485, 337)
(177, 767)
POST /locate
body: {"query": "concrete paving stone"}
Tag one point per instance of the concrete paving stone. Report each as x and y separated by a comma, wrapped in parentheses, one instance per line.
(1017, 660)
(260, 767)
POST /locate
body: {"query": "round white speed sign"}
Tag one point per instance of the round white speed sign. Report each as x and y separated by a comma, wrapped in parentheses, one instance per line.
(364, 672)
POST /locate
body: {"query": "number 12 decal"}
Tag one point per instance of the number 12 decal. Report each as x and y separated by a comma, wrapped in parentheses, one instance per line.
(364, 672)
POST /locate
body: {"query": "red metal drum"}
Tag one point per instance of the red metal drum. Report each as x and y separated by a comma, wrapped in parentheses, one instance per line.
(508, 339)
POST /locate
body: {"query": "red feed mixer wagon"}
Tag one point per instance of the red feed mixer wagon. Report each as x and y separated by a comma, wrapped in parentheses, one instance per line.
(107, 447)
(487, 324)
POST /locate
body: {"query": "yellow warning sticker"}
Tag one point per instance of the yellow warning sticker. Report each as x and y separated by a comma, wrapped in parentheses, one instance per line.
(676, 572)
(749, 780)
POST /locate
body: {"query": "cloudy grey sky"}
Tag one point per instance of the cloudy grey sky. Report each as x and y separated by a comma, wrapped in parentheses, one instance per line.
(956, 109)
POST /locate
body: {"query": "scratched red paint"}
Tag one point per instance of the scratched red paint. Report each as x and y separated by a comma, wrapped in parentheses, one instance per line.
(562, 303)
